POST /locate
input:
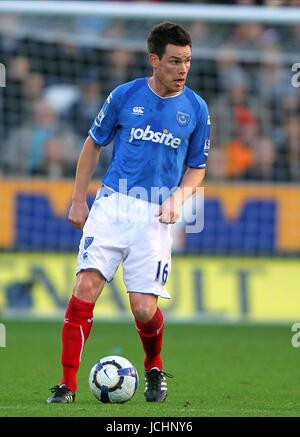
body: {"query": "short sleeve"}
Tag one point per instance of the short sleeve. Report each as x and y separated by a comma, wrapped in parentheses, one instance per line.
(200, 140)
(104, 126)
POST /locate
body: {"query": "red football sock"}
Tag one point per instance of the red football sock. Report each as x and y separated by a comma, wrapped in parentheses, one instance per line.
(76, 329)
(151, 334)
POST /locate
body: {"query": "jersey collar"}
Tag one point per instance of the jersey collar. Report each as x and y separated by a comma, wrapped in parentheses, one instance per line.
(168, 97)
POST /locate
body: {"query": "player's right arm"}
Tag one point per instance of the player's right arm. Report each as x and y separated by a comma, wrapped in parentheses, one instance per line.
(86, 166)
(101, 134)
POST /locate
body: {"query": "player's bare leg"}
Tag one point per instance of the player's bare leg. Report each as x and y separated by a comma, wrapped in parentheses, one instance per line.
(89, 285)
(76, 329)
(149, 322)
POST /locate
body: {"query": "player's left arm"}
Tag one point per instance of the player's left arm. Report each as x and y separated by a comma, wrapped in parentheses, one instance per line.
(196, 159)
(170, 209)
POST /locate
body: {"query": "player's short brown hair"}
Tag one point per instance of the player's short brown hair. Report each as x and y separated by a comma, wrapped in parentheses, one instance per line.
(167, 33)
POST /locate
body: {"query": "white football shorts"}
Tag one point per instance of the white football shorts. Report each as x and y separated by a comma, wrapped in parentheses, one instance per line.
(124, 229)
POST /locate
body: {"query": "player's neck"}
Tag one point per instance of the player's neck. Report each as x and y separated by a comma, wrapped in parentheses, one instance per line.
(159, 89)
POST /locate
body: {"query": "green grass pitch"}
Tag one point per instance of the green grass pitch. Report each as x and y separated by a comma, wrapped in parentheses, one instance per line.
(219, 370)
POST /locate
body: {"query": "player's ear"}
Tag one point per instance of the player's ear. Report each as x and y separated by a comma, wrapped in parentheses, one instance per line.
(153, 60)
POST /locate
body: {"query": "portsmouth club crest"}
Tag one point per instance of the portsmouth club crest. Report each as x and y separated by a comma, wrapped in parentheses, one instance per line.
(87, 242)
(183, 118)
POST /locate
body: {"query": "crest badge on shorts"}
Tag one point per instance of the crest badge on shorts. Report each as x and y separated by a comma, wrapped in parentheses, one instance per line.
(87, 242)
(183, 118)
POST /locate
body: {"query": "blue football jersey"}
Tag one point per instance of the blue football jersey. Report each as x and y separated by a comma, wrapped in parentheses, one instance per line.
(154, 137)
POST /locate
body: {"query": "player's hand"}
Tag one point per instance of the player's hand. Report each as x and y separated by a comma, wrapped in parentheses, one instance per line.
(78, 213)
(170, 209)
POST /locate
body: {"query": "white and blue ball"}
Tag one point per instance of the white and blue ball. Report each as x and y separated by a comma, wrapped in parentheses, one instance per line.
(113, 379)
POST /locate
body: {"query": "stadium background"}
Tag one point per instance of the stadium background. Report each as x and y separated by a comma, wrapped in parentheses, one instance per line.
(61, 65)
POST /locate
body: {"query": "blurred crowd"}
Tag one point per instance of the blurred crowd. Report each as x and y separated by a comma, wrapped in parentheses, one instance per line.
(55, 88)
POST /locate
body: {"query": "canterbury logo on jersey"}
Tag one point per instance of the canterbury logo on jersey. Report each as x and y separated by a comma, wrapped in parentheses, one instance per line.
(138, 110)
(164, 137)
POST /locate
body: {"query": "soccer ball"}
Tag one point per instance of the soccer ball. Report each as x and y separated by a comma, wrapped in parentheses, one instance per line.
(113, 379)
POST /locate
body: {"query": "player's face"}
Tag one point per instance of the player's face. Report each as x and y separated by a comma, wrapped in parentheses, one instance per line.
(170, 72)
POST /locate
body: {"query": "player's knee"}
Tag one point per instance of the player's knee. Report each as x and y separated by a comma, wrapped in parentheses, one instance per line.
(88, 286)
(143, 313)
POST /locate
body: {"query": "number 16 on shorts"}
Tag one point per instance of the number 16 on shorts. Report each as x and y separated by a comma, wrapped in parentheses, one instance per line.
(162, 272)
